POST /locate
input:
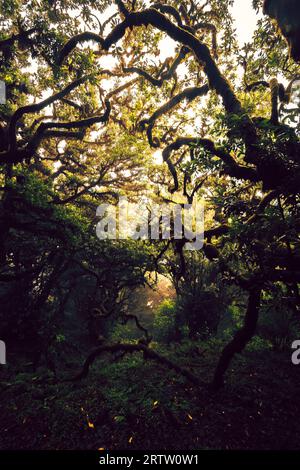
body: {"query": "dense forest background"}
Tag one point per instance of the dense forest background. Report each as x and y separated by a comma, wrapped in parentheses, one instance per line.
(136, 343)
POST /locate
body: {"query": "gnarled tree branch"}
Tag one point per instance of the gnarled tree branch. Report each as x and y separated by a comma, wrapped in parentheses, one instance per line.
(132, 348)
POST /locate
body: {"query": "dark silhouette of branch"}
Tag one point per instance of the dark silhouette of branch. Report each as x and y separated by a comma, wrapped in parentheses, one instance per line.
(240, 339)
(34, 108)
(216, 232)
(263, 204)
(166, 75)
(126, 318)
(254, 85)
(54, 129)
(188, 94)
(22, 35)
(232, 168)
(79, 38)
(130, 349)
(170, 10)
(274, 86)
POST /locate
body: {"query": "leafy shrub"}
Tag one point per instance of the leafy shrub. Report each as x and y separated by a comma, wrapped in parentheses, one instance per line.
(164, 325)
(202, 311)
(278, 323)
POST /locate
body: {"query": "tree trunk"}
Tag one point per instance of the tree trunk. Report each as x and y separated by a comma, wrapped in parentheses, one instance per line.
(240, 339)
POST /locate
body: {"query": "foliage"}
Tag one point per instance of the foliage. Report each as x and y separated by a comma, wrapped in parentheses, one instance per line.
(279, 323)
(165, 321)
(203, 299)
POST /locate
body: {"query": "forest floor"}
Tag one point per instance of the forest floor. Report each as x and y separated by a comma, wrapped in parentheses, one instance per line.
(136, 404)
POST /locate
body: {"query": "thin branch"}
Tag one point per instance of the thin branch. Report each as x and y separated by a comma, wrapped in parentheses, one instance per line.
(165, 75)
(129, 317)
(188, 94)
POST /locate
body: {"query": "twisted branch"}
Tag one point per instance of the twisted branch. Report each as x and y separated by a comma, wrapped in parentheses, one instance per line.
(130, 349)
